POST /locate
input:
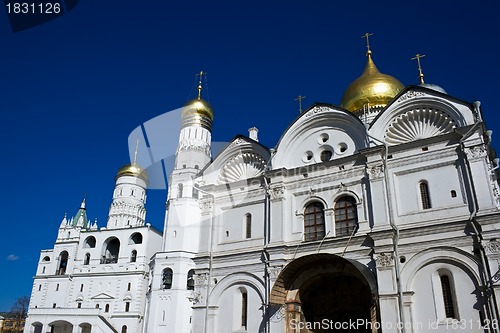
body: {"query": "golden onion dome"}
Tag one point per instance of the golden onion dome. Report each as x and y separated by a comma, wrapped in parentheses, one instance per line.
(197, 112)
(372, 88)
(132, 170)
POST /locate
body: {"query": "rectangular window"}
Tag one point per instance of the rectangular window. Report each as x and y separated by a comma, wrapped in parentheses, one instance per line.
(447, 297)
(127, 306)
(244, 309)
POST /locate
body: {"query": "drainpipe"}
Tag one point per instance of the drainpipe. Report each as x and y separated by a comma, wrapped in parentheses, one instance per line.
(395, 236)
(267, 278)
(267, 239)
(210, 257)
(492, 309)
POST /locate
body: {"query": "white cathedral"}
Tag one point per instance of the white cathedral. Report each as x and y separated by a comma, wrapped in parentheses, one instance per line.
(378, 215)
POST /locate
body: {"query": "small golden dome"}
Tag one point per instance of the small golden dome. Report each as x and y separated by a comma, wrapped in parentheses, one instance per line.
(197, 112)
(372, 87)
(132, 170)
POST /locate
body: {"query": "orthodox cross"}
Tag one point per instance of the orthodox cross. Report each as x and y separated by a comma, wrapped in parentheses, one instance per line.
(300, 98)
(367, 36)
(420, 75)
(199, 83)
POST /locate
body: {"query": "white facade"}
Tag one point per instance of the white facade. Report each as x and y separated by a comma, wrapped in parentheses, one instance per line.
(387, 223)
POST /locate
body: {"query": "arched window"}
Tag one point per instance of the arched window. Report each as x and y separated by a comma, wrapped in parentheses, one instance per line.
(167, 278)
(248, 225)
(89, 242)
(346, 216)
(124, 329)
(86, 261)
(136, 238)
(63, 263)
(425, 195)
(448, 296)
(314, 221)
(244, 309)
(133, 256)
(190, 280)
(129, 286)
(43, 270)
(179, 190)
(127, 306)
(46, 259)
(106, 308)
(111, 252)
(196, 193)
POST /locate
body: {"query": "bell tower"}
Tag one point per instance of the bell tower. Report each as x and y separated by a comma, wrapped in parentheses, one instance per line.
(172, 286)
(193, 153)
(129, 197)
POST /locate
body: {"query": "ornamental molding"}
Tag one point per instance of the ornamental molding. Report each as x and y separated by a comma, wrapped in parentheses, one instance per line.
(409, 95)
(418, 124)
(206, 207)
(201, 279)
(492, 247)
(277, 193)
(194, 145)
(384, 260)
(195, 297)
(424, 168)
(376, 172)
(316, 110)
(238, 142)
(427, 157)
(242, 166)
(274, 271)
(476, 152)
(354, 174)
(164, 297)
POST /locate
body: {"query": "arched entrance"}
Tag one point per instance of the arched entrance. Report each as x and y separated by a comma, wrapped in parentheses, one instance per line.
(61, 326)
(327, 293)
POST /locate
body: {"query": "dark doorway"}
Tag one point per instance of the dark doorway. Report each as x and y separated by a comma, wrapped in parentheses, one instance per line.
(341, 303)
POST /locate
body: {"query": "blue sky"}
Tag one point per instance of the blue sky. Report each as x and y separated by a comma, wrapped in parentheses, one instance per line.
(74, 88)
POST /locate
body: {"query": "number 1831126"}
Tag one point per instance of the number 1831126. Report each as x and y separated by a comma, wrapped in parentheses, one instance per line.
(33, 8)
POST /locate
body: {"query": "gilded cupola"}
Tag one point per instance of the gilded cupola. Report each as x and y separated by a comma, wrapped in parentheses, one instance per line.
(198, 112)
(372, 89)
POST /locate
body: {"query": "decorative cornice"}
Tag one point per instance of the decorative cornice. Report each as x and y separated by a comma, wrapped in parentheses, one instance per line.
(316, 110)
(409, 95)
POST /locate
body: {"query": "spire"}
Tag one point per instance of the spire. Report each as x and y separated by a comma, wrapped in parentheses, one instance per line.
(81, 219)
(420, 75)
(199, 84)
(94, 226)
(82, 205)
(64, 221)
